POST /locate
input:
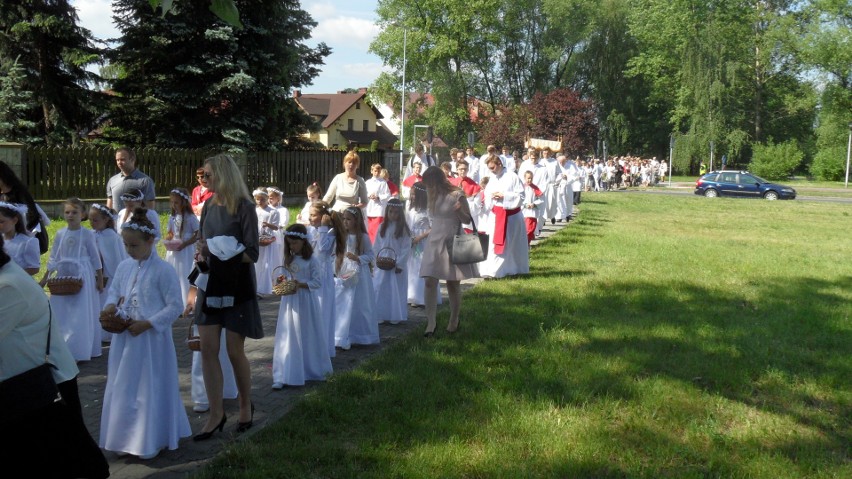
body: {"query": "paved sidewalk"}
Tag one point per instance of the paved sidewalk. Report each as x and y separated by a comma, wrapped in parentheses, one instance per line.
(270, 405)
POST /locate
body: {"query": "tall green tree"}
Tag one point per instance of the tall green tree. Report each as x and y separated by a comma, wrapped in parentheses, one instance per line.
(54, 52)
(630, 121)
(15, 103)
(192, 80)
(721, 68)
(825, 39)
(824, 46)
(496, 51)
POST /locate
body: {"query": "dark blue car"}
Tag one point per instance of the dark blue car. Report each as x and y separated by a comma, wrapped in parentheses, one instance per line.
(741, 184)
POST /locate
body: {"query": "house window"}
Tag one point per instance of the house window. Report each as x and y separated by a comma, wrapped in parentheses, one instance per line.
(357, 105)
(366, 125)
(350, 124)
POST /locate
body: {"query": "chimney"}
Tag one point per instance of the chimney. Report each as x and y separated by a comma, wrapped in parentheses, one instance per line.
(297, 93)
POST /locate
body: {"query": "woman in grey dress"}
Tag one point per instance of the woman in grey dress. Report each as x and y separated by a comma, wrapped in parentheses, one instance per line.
(229, 298)
(448, 209)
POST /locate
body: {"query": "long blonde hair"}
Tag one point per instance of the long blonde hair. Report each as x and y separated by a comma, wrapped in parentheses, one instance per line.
(230, 187)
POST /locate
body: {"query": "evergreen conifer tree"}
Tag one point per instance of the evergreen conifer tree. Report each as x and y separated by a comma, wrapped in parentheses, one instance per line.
(53, 51)
(15, 102)
(193, 81)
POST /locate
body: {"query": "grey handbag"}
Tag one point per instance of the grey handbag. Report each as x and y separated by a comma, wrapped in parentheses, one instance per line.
(467, 248)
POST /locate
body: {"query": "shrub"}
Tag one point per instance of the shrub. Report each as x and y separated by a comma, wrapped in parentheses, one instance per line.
(776, 162)
(829, 164)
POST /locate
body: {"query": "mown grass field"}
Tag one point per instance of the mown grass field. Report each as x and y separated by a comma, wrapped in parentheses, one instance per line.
(658, 336)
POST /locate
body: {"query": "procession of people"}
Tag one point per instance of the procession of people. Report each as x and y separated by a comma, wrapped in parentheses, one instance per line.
(360, 256)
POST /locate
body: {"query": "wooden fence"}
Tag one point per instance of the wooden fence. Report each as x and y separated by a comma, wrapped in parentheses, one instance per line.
(53, 173)
(292, 171)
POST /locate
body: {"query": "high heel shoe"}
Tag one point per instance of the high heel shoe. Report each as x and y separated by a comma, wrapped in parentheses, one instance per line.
(245, 426)
(207, 435)
(453, 327)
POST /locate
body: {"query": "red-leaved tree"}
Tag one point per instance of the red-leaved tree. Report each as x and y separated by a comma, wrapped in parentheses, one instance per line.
(507, 126)
(560, 112)
(563, 112)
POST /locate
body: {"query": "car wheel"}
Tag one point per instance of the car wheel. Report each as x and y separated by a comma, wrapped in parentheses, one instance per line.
(771, 195)
(711, 193)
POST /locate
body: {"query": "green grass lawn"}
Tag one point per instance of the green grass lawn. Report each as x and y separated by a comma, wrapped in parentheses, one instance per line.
(658, 336)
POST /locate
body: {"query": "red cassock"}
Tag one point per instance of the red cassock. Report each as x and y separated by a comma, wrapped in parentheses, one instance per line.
(394, 190)
(467, 185)
(409, 182)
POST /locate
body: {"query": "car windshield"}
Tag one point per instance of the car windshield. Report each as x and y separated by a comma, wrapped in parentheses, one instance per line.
(759, 179)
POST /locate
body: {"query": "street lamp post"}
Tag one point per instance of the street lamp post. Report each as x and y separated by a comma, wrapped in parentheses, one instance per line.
(848, 151)
(402, 114)
(712, 146)
(671, 157)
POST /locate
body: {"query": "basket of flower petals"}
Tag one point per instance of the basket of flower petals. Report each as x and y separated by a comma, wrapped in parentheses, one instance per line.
(386, 259)
(283, 282)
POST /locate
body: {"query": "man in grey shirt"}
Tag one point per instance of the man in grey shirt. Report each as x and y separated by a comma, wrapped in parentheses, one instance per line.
(128, 179)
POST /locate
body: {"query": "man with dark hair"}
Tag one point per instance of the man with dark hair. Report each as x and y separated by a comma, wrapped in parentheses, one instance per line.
(422, 157)
(129, 178)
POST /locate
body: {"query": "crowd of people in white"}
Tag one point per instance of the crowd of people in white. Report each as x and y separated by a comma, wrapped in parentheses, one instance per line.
(336, 253)
(552, 181)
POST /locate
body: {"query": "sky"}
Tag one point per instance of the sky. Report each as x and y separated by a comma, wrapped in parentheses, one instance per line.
(347, 26)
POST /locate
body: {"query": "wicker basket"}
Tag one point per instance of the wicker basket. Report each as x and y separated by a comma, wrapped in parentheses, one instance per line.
(283, 283)
(266, 240)
(172, 244)
(193, 342)
(64, 286)
(386, 259)
(113, 323)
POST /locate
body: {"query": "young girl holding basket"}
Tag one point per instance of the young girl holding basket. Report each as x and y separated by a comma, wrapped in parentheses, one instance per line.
(300, 352)
(355, 298)
(393, 241)
(142, 410)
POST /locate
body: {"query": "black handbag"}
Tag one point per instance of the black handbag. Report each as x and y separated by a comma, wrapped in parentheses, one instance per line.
(43, 238)
(31, 390)
(467, 248)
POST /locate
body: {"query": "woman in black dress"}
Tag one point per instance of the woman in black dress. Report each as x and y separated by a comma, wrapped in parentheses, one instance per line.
(229, 248)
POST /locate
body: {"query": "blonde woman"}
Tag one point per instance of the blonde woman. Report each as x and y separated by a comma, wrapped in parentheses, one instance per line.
(229, 248)
(347, 188)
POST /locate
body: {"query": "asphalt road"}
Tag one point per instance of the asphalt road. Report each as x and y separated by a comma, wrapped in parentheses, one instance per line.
(688, 189)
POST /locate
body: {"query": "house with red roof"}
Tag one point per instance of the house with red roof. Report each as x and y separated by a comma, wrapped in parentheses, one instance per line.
(416, 104)
(346, 120)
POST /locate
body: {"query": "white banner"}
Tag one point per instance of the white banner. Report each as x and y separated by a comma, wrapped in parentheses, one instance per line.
(540, 144)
